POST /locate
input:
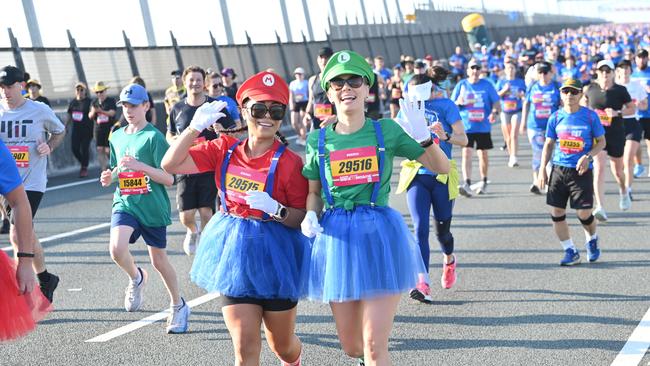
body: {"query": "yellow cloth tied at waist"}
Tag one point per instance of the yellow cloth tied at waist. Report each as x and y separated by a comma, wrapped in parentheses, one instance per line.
(410, 170)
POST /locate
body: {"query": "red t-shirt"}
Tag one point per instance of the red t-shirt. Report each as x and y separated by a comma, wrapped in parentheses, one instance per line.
(290, 187)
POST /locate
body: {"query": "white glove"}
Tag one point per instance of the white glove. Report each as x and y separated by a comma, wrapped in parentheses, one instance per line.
(310, 226)
(207, 114)
(413, 122)
(260, 200)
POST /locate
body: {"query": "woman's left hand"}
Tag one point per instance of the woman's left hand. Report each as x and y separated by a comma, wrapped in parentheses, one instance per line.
(260, 200)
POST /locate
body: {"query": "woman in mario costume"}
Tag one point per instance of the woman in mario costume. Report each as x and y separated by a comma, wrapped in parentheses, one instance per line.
(252, 251)
(363, 255)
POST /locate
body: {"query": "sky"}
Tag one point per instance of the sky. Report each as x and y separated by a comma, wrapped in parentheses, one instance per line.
(95, 23)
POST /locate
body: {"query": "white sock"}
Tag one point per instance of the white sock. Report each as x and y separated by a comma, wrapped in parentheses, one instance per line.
(568, 244)
(138, 278)
(590, 237)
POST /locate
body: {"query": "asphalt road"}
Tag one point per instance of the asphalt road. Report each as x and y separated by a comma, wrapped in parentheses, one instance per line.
(512, 305)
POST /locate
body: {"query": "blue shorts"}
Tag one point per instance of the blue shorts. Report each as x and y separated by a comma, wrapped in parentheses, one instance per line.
(153, 236)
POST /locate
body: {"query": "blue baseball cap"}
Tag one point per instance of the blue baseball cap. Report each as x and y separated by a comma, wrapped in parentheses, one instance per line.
(133, 94)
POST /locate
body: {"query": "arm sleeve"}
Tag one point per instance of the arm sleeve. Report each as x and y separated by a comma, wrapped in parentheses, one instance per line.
(207, 156)
(295, 184)
(494, 96)
(455, 92)
(113, 157)
(310, 169)
(453, 113)
(51, 122)
(550, 127)
(160, 147)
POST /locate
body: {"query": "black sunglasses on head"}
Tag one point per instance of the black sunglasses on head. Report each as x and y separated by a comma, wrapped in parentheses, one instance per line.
(570, 91)
(475, 67)
(260, 110)
(354, 82)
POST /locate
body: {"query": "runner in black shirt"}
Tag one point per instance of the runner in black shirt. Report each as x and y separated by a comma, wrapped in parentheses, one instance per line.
(82, 127)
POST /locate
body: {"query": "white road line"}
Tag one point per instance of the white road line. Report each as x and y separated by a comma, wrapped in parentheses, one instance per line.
(637, 345)
(148, 320)
(69, 233)
(54, 188)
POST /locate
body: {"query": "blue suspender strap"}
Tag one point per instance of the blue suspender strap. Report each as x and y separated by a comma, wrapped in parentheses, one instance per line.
(321, 167)
(382, 150)
(270, 177)
(224, 169)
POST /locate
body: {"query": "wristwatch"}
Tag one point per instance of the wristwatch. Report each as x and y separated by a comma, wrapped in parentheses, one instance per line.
(281, 213)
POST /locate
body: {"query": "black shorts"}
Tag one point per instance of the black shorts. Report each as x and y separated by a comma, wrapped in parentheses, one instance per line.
(266, 304)
(482, 140)
(102, 131)
(34, 198)
(195, 191)
(633, 129)
(615, 139)
(395, 101)
(299, 107)
(645, 126)
(565, 184)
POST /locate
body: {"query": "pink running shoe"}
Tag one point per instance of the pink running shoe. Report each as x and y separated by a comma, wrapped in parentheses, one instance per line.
(422, 293)
(448, 275)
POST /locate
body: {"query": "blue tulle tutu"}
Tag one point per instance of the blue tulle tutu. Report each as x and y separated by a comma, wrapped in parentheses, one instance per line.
(249, 258)
(363, 253)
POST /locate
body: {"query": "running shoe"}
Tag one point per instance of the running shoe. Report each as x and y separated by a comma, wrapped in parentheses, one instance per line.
(465, 190)
(422, 293)
(629, 192)
(534, 189)
(513, 162)
(5, 226)
(638, 170)
(600, 214)
(625, 202)
(189, 244)
(448, 278)
(593, 252)
(48, 287)
(481, 187)
(504, 147)
(177, 321)
(571, 257)
(133, 298)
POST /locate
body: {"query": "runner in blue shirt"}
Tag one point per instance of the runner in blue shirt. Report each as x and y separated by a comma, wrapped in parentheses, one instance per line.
(511, 89)
(542, 99)
(641, 74)
(479, 106)
(298, 98)
(574, 136)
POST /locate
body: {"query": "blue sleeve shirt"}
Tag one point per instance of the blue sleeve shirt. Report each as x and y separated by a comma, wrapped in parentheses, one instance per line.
(574, 134)
(643, 76)
(542, 102)
(512, 101)
(478, 99)
(10, 178)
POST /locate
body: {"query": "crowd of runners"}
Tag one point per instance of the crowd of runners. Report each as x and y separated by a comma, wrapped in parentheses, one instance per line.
(274, 228)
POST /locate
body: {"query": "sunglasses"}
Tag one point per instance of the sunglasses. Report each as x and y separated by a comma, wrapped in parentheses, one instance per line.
(214, 86)
(260, 110)
(475, 67)
(570, 91)
(606, 71)
(353, 82)
(100, 92)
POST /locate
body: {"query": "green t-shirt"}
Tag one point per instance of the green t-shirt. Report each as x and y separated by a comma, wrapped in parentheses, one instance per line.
(147, 146)
(397, 143)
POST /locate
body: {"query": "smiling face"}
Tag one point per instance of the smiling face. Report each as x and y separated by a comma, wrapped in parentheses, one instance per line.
(261, 127)
(194, 83)
(347, 98)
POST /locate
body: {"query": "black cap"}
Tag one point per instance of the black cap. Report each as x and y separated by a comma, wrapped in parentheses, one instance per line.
(420, 65)
(176, 73)
(543, 66)
(325, 52)
(10, 75)
(642, 53)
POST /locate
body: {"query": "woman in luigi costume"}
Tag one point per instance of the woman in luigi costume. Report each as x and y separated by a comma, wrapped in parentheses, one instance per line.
(363, 255)
(252, 251)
